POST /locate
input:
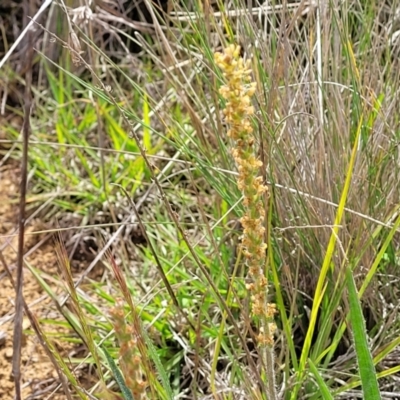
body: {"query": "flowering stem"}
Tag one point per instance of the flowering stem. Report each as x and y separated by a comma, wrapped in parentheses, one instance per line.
(238, 92)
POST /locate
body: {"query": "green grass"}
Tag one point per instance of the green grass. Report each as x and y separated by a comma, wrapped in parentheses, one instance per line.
(327, 129)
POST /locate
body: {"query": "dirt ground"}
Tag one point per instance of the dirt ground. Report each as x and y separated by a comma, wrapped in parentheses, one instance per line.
(39, 378)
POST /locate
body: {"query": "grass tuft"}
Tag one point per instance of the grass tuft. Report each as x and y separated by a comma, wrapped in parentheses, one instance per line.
(129, 148)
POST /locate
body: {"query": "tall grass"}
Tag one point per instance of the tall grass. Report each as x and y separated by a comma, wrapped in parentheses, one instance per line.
(151, 126)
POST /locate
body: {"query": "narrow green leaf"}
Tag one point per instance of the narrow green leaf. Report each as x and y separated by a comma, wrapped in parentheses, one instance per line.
(118, 376)
(326, 395)
(160, 369)
(146, 124)
(379, 256)
(366, 366)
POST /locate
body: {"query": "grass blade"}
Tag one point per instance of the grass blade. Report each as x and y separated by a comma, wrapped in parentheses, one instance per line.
(326, 395)
(366, 366)
(118, 376)
(159, 367)
(321, 284)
